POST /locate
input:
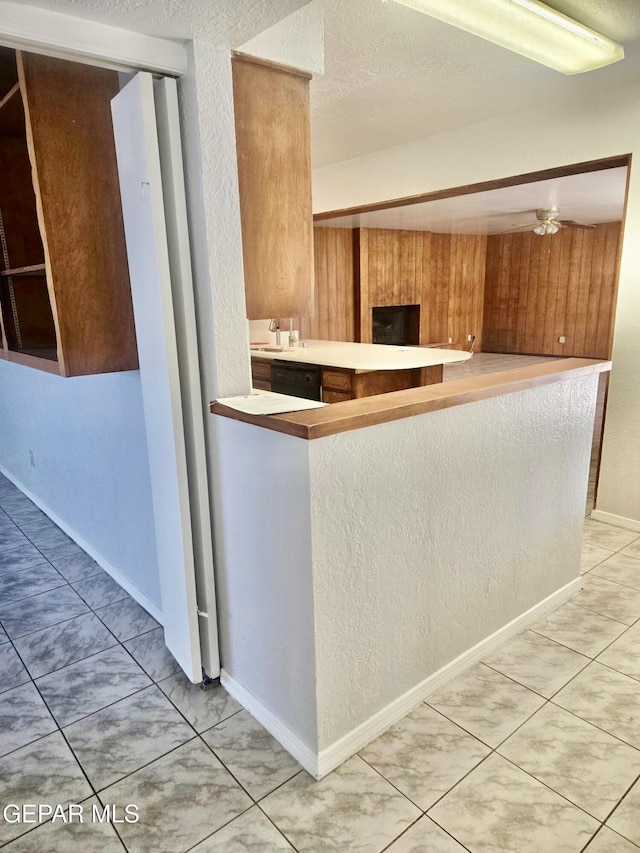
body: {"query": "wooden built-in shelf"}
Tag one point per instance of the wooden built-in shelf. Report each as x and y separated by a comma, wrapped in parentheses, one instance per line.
(41, 358)
(34, 269)
(65, 300)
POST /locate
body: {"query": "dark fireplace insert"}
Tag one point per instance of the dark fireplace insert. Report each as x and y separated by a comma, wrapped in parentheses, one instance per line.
(397, 324)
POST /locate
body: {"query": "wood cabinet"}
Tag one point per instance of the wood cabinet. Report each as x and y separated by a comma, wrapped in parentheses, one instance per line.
(65, 300)
(271, 106)
(261, 374)
(341, 383)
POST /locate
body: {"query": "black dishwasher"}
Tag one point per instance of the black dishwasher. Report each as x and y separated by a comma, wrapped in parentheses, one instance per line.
(297, 379)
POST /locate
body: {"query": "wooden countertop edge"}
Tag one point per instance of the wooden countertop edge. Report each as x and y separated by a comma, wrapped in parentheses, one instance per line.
(369, 411)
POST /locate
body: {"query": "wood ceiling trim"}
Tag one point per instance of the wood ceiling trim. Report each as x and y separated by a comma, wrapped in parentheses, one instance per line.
(483, 186)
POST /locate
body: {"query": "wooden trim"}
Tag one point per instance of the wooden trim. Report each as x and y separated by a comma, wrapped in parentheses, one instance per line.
(357, 285)
(269, 63)
(3, 337)
(14, 90)
(23, 358)
(614, 296)
(483, 186)
(370, 411)
(34, 268)
(364, 330)
(601, 440)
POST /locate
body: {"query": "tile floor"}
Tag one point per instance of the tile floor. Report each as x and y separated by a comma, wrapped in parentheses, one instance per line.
(536, 749)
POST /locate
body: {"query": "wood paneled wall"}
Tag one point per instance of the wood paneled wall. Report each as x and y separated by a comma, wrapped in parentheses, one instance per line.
(443, 273)
(335, 280)
(538, 289)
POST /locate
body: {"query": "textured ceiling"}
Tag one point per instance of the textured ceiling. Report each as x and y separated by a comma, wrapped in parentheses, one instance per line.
(227, 23)
(589, 198)
(394, 74)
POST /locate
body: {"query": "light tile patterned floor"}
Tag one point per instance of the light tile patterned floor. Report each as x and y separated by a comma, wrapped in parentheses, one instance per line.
(536, 749)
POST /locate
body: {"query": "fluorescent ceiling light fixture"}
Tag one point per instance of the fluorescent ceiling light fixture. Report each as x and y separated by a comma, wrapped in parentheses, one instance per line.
(529, 28)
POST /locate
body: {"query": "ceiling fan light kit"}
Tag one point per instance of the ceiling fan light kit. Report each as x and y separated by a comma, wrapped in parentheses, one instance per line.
(546, 228)
(529, 28)
(549, 222)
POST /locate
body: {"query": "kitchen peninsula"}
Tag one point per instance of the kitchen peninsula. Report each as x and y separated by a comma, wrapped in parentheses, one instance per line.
(395, 541)
(349, 371)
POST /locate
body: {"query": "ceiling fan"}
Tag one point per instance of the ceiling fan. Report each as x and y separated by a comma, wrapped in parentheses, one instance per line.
(549, 222)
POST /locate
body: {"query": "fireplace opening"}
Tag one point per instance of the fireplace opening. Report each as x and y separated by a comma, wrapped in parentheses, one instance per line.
(397, 324)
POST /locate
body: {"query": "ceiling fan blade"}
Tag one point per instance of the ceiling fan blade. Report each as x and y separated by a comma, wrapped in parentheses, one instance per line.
(571, 223)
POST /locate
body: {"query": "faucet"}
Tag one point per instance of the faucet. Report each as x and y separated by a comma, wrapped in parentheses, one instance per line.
(274, 326)
(293, 338)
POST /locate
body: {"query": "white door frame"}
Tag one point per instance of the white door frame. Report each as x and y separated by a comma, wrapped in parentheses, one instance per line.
(68, 37)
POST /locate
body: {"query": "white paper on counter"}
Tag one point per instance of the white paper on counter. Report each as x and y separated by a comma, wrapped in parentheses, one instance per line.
(268, 403)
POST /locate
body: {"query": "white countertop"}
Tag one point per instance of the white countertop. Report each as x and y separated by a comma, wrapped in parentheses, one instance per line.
(363, 357)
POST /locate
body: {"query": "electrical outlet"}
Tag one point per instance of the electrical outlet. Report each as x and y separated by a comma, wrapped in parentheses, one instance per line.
(469, 338)
(450, 340)
(562, 339)
(32, 459)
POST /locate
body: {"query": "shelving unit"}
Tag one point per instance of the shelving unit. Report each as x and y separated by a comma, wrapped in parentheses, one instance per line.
(65, 301)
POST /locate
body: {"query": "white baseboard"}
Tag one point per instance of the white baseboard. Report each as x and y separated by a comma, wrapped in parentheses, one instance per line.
(111, 570)
(618, 520)
(319, 764)
(282, 733)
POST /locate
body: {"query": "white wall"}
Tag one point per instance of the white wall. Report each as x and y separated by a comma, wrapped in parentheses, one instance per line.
(91, 471)
(607, 124)
(209, 146)
(352, 569)
(433, 532)
(263, 571)
(297, 40)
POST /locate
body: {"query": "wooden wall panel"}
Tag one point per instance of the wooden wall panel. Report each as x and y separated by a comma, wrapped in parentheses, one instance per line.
(334, 295)
(538, 289)
(443, 273)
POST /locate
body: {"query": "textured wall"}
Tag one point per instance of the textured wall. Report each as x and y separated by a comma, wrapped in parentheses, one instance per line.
(431, 533)
(206, 102)
(605, 126)
(263, 570)
(298, 40)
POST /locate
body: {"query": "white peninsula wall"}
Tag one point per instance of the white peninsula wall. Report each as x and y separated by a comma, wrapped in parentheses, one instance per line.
(360, 570)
